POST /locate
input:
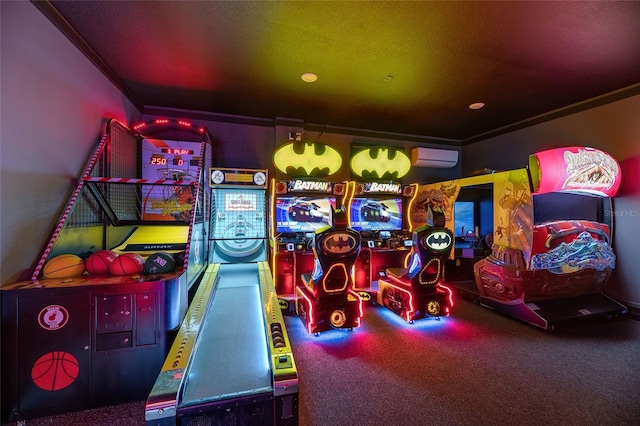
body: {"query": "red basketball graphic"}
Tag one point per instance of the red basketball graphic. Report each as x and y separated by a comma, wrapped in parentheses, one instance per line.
(55, 370)
(127, 264)
(99, 263)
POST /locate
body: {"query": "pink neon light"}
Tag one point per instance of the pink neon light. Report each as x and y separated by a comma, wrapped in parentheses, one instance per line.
(311, 318)
(449, 291)
(360, 310)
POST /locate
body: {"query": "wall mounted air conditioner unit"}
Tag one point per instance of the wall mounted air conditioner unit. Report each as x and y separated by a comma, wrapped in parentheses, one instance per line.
(430, 157)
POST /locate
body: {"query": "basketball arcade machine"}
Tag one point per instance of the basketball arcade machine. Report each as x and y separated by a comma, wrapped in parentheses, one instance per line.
(100, 339)
(551, 252)
(231, 362)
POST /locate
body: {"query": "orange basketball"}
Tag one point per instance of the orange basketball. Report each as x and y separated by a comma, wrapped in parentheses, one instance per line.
(55, 370)
(99, 263)
(63, 266)
(127, 264)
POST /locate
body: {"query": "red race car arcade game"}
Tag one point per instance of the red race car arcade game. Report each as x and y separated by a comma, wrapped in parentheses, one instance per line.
(378, 211)
(399, 268)
(93, 325)
(326, 299)
(550, 241)
(300, 204)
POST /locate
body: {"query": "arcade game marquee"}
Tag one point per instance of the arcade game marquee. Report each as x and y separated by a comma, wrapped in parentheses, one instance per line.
(548, 253)
(111, 287)
(231, 362)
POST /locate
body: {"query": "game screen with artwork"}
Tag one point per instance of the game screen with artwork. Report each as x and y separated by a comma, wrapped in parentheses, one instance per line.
(303, 214)
(376, 214)
(168, 160)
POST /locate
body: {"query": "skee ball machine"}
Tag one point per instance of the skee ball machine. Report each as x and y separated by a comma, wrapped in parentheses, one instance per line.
(76, 336)
(231, 362)
(551, 246)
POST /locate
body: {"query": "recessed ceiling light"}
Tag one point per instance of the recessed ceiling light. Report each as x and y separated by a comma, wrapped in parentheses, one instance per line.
(476, 105)
(309, 77)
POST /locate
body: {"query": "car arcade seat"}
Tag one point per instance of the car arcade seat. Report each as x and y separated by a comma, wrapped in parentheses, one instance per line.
(417, 290)
(326, 298)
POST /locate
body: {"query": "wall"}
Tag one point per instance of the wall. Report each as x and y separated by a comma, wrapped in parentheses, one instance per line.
(613, 128)
(54, 103)
(246, 142)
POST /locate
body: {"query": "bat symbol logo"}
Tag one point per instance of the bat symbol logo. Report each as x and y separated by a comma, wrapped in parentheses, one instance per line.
(284, 305)
(307, 159)
(380, 163)
(339, 243)
(438, 241)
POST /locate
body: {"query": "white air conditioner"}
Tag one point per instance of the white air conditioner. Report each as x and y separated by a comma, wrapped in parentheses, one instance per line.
(430, 157)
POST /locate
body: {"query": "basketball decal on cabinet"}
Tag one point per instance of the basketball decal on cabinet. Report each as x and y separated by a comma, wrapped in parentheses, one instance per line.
(53, 317)
(55, 370)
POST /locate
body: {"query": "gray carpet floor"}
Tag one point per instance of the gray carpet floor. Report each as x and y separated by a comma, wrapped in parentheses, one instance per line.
(476, 367)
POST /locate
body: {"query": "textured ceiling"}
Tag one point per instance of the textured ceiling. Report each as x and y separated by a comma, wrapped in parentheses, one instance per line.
(391, 66)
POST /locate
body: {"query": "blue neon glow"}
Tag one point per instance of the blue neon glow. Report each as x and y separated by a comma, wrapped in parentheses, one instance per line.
(317, 270)
(414, 267)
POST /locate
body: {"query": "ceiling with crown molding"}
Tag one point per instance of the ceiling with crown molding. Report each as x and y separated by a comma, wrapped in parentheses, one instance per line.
(402, 67)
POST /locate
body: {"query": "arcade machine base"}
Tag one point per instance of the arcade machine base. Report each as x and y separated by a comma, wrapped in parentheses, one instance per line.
(546, 314)
(339, 311)
(107, 332)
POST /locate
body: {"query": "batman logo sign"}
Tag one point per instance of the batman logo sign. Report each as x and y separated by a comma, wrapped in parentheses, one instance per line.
(284, 305)
(380, 163)
(307, 159)
(438, 241)
(339, 243)
(364, 296)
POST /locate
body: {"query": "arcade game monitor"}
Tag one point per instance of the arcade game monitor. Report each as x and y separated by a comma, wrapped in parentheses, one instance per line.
(303, 214)
(376, 214)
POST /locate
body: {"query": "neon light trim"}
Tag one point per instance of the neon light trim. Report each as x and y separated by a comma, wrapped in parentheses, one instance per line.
(274, 247)
(360, 309)
(449, 292)
(434, 281)
(415, 264)
(346, 279)
(311, 319)
(410, 206)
